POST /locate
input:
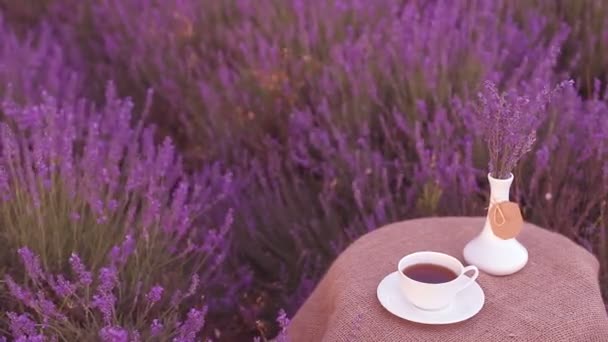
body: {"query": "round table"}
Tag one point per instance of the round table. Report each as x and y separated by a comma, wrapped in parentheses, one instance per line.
(555, 297)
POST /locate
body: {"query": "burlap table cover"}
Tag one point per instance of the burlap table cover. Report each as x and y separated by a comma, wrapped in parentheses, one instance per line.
(556, 297)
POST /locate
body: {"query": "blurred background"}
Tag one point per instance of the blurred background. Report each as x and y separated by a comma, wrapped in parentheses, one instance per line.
(291, 126)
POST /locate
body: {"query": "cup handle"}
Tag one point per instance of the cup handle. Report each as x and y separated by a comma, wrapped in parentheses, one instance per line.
(470, 279)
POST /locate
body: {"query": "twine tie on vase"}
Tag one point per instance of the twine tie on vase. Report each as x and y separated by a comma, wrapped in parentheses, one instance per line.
(493, 203)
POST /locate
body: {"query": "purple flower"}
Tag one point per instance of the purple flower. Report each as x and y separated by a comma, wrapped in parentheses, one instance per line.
(104, 300)
(156, 328)
(112, 172)
(155, 294)
(108, 278)
(34, 338)
(282, 319)
(194, 283)
(188, 330)
(105, 304)
(84, 277)
(21, 325)
(508, 122)
(283, 322)
(62, 287)
(120, 254)
(47, 308)
(21, 294)
(114, 334)
(31, 263)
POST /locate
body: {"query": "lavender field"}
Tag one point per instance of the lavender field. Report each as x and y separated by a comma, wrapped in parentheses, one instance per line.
(188, 169)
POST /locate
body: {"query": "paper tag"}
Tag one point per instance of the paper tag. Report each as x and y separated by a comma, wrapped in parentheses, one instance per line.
(506, 220)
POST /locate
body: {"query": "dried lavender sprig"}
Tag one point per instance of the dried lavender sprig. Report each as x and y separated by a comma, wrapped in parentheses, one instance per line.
(508, 123)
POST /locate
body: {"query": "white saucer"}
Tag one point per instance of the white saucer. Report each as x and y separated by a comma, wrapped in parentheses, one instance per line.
(466, 304)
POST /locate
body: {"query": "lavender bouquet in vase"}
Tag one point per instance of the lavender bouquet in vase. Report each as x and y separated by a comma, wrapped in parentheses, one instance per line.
(508, 123)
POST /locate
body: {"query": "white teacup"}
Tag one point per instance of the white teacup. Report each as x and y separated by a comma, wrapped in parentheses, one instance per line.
(429, 296)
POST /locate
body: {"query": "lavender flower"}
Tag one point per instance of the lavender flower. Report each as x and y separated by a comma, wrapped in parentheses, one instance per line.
(84, 277)
(31, 263)
(105, 303)
(508, 123)
(67, 165)
(193, 324)
(21, 294)
(21, 325)
(34, 338)
(156, 328)
(283, 322)
(47, 308)
(113, 334)
(193, 286)
(120, 254)
(104, 300)
(155, 294)
(63, 287)
(108, 279)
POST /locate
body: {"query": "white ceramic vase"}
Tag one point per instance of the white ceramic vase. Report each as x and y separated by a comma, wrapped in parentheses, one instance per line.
(487, 251)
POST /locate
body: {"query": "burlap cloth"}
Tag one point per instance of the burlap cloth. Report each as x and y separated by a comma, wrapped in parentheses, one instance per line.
(556, 296)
